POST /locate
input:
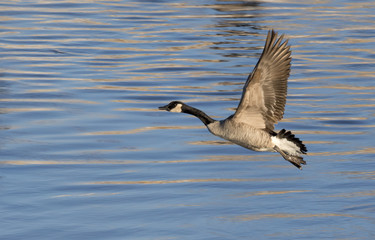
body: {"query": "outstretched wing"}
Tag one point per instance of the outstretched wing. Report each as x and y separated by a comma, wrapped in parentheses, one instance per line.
(264, 94)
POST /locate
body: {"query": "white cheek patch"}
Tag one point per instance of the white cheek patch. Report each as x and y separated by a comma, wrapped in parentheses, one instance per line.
(177, 109)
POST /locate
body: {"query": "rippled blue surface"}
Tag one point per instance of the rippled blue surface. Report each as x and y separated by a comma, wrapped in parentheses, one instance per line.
(86, 154)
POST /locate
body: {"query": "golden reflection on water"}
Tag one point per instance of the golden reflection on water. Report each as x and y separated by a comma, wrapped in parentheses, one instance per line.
(254, 217)
(39, 109)
(94, 194)
(357, 174)
(184, 181)
(353, 194)
(62, 162)
(353, 152)
(137, 109)
(187, 89)
(209, 158)
(320, 132)
(49, 100)
(324, 118)
(334, 106)
(338, 86)
(143, 129)
(262, 193)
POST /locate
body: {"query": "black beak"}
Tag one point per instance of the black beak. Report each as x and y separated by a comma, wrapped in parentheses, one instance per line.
(163, 107)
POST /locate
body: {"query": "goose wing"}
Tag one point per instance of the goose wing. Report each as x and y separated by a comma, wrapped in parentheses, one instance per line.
(264, 94)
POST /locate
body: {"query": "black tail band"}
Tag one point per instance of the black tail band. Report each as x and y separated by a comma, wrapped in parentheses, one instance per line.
(290, 137)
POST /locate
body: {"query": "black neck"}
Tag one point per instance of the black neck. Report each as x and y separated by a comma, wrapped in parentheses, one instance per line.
(198, 113)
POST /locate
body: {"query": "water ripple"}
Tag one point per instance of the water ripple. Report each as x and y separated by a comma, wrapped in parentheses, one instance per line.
(86, 152)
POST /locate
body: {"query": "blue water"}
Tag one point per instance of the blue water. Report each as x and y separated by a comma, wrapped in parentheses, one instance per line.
(85, 153)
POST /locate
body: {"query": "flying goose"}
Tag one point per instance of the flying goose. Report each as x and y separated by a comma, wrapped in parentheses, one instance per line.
(260, 108)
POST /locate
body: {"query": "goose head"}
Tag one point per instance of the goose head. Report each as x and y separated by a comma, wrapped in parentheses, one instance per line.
(180, 107)
(174, 106)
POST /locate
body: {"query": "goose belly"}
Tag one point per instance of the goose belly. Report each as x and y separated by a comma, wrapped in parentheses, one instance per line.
(242, 134)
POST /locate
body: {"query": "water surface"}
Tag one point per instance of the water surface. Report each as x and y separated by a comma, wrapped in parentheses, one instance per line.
(86, 154)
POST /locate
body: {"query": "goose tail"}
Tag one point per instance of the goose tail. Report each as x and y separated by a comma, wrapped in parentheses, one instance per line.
(290, 147)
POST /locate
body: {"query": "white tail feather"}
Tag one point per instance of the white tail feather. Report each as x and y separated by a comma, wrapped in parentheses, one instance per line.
(287, 146)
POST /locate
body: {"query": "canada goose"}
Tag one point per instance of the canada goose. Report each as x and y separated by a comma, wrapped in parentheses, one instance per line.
(261, 106)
